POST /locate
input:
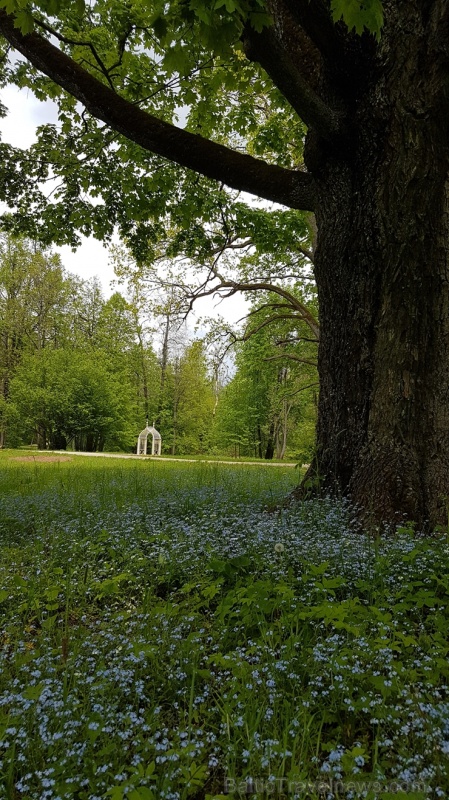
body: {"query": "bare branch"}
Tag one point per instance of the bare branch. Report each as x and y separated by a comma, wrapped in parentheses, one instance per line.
(227, 288)
(239, 171)
(292, 357)
(121, 48)
(74, 42)
(301, 389)
(296, 340)
(251, 331)
(233, 245)
(306, 315)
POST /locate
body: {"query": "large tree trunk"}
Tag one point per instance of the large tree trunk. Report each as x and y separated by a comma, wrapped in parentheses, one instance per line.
(383, 283)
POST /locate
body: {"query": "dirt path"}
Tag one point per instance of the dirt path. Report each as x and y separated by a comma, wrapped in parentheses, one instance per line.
(38, 457)
(168, 458)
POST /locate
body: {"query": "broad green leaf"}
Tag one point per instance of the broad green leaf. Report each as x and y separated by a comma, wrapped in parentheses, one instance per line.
(24, 21)
(358, 15)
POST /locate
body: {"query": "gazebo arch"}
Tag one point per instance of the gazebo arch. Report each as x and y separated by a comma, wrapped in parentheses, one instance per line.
(142, 441)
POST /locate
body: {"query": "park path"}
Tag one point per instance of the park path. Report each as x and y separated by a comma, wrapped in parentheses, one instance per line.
(169, 458)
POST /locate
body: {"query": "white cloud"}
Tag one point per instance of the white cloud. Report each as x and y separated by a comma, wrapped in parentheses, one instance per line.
(88, 261)
(91, 259)
(19, 129)
(25, 115)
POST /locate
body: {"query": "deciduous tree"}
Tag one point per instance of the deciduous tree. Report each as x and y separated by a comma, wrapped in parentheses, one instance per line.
(269, 403)
(243, 78)
(65, 396)
(33, 293)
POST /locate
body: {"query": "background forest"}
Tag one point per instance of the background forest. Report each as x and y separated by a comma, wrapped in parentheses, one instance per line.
(81, 372)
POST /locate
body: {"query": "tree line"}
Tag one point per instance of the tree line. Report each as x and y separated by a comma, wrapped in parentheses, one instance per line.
(84, 372)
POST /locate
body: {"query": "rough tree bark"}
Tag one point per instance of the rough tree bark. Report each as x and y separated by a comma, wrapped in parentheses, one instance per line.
(382, 275)
(377, 158)
(381, 262)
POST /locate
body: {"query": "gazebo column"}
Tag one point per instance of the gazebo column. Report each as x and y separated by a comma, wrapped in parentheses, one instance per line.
(142, 442)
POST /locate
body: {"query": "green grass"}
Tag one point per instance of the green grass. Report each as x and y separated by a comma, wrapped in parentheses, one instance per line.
(232, 459)
(164, 634)
(185, 457)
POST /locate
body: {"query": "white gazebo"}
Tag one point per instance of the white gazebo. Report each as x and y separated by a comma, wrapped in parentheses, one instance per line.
(142, 441)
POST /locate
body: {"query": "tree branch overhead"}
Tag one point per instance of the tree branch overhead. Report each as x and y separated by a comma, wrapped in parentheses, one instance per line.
(239, 171)
(265, 48)
(315, 20)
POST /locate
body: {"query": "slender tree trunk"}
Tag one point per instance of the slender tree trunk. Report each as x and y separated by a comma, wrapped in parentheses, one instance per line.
(164, 365)
(259, 440)
(144, 372)
(269, 452)
(175, 423)
(41, 438)
(90, 443)
(4, 396)
(383, 282)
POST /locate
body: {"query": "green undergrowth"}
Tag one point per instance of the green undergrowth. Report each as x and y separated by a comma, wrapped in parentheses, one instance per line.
(165, 635)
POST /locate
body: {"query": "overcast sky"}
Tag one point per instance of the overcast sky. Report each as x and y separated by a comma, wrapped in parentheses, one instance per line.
(18, 128)
(91, 259)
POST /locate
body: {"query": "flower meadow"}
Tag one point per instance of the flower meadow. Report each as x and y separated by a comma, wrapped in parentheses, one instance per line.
(174, 631)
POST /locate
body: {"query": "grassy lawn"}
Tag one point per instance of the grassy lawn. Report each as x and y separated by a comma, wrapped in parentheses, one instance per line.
(166, 634)
(234, 460)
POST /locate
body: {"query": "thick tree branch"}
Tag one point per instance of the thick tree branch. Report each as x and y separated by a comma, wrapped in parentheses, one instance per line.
(305, 252)
(242, 172)
(265, 48)
(315, 20)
